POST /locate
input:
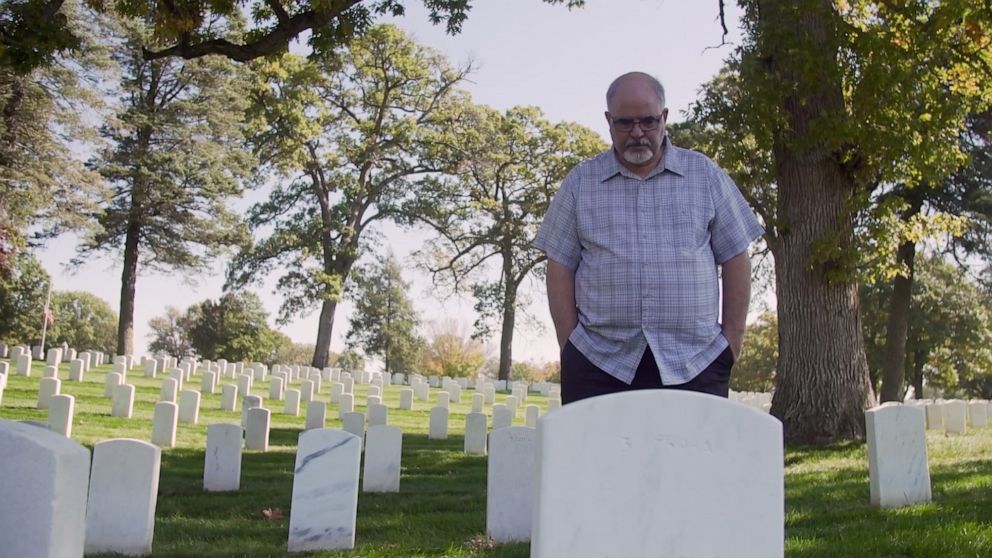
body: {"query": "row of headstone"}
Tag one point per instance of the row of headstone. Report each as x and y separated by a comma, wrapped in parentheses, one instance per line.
(54, 504)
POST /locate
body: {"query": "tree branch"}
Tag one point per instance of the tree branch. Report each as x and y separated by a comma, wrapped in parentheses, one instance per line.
(273, 42)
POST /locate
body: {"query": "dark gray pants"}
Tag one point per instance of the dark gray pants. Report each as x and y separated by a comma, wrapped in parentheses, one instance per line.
(581, 379)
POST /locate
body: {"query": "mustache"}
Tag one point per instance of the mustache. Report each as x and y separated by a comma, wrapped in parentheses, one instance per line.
(642, 142)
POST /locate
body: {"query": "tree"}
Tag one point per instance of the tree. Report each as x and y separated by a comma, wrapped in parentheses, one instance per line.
(22, 300)
(234, 328)
(176, 158)
(348, 360)
(171, 334)
(811, 124)
(532, 372)
(289, 352)
(949, 337)
(31, 31)
(451, 352)
(345, 138)
(509, 167)
(44, 187)
(755, 368)
(82, 320)
(384, 323)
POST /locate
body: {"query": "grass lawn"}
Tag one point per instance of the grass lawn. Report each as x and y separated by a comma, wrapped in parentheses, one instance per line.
(440, 511)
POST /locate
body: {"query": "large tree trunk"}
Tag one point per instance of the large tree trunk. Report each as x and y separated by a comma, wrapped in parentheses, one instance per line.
(897, 326)
(129, 280)
(506, 336)
(324, 329)
(894, 365)
(822, 386)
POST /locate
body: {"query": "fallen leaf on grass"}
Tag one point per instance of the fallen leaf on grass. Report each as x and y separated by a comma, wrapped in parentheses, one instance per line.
(480, 542)
(273, 514)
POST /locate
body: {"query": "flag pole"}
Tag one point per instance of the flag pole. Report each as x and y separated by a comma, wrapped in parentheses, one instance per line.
(45, 316)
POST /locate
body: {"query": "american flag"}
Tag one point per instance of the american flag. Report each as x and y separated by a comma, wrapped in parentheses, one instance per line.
(49, 316)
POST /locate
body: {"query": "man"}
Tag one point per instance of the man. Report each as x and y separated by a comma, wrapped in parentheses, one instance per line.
(633, 238)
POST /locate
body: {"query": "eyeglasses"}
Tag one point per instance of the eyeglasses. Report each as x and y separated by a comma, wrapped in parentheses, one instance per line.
(627, 124)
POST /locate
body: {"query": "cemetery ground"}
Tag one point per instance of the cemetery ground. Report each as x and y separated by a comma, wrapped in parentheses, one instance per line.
(440, 509)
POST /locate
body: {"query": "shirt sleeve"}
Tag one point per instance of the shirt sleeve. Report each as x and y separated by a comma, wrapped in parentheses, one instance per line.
(558, 236)
(734, 225)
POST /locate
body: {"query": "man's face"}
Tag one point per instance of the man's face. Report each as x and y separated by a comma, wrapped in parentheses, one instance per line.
(636, 106)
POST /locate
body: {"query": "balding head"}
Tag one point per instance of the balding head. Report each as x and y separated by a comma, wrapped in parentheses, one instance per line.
(635, 79)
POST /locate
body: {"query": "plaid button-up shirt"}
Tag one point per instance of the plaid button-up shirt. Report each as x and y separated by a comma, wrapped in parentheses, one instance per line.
(645, 255)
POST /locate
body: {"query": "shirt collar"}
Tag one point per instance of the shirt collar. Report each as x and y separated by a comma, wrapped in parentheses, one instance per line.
(673, 159)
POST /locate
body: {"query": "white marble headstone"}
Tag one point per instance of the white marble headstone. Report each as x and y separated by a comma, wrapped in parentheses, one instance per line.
(337, 388)
(164, 424)
(510, 484)
(110, 382)
(476, 429)
(292, 404)
(955, 416)
(978, 414)
(897, 455)
(222, 461)
(189, 406)
(316, 415)
(383, 451)
(438, 429)
(60, 412)
(48, 387)
(229, 397)
(170, 387)
(257, 433)
(45, 477)
(502, 417)
(325, 491)
(406, 399)
(378, 414)
(354, 423)
(306, 391)
(208, 383)
(120, 511)
(122, 404)
(248, 403)
(24, 365)
(76, 370)
(276, 388)
(346, 404)
(531, 414)
(678, 491)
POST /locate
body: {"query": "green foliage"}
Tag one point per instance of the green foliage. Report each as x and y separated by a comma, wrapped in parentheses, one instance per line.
(22, 301)
(343, 137)
(911, 75)
(289, 352)
(450, 352)
(234, 328)
(42, 125)
(754, 369)
(32, 31)
(384, 323)
(486, 212)
(348, 360)
(171, 334)
(533, 372)
(176, 158)
(949, 342)
(82, 320)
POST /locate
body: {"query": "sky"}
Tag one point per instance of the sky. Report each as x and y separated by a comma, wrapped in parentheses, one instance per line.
(525, 53)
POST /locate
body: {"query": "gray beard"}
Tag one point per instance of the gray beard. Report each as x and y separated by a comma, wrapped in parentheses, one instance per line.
(638, 156)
